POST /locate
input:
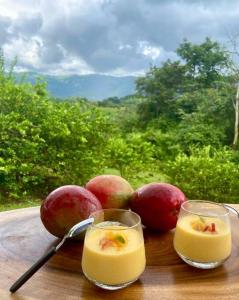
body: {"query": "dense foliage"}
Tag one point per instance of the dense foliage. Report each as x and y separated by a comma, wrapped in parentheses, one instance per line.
(178, 128)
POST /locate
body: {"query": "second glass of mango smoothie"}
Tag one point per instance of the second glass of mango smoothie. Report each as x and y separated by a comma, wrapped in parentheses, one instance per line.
(113, 254)
(203, 234)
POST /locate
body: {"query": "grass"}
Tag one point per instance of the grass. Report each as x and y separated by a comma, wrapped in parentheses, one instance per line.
(18, 204)
(142, 178)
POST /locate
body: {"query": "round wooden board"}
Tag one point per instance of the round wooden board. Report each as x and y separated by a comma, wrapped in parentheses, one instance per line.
(23, 239)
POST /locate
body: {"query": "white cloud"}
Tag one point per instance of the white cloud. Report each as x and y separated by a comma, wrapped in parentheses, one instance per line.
(71, 65)
(26, 50)
(107, 36)
(148, 50)
(16, 8)
(29, 53)
(126, 46)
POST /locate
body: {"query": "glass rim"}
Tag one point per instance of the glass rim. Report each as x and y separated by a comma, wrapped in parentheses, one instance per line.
(221, 205)
(115, 209)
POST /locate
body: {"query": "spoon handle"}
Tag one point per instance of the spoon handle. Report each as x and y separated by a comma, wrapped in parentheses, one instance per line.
(32, 270)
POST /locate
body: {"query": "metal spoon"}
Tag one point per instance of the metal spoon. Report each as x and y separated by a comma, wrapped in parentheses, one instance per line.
(231, 209)
(74, 231)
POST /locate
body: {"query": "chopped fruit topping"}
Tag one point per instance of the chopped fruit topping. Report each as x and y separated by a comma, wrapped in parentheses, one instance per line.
(213, 228)
(200, 225)
(112, 239)
(105, 243)
(120, 239)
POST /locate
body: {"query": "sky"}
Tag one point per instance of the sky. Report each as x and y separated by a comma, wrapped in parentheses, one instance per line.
(117, 37)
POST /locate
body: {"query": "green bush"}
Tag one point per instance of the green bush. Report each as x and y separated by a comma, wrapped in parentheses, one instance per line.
(163, 143)
(130, 154)
(206, 174)
(198, 134)
(44, 143)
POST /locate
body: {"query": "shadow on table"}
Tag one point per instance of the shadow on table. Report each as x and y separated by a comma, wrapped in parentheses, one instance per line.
(133, 291)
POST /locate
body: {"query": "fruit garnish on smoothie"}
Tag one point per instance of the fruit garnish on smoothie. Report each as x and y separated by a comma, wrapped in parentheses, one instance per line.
(201, 225)
(113, 239)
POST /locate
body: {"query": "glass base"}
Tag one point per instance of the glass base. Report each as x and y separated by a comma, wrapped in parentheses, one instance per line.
(202, 265)
(108, 286)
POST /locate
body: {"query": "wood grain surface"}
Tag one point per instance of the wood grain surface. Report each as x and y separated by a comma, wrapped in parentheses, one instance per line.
(23, 239)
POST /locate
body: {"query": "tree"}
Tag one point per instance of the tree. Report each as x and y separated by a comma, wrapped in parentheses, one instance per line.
(206, 117)
(160, 89)
(236, 126)
(206, 63)
(201, 67)
(235, 67)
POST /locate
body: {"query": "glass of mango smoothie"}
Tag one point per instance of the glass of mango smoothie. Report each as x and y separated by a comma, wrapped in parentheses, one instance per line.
(203, 234)
(113, 253)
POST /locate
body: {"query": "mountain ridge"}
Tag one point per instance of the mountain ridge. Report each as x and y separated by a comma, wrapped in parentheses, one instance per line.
(90, 86)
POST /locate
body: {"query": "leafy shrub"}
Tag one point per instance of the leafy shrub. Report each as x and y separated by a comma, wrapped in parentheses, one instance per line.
(206, 174)
(206, 118)
(129, 154)
(164, 144)
(198, 134)
(44, 143)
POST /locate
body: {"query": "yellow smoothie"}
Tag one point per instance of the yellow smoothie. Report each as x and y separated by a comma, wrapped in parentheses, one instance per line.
(113, 255)
(202, 239)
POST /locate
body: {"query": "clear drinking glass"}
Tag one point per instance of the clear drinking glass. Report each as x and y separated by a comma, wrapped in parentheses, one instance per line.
(113, 253)
(203, 234)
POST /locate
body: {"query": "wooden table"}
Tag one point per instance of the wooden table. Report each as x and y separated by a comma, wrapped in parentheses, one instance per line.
(23, 239)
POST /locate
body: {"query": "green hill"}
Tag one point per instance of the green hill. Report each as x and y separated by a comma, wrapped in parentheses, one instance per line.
(93, 86)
